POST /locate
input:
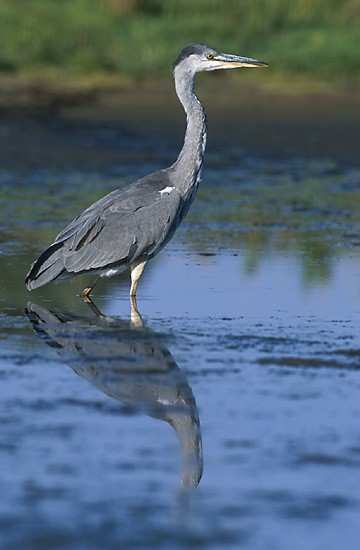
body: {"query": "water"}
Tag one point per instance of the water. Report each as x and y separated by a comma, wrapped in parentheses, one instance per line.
(225, 413)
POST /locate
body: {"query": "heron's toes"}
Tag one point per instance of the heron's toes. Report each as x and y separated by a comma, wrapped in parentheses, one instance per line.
(86, 292)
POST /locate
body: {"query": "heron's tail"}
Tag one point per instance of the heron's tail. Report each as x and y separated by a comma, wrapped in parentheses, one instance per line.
(46, 268)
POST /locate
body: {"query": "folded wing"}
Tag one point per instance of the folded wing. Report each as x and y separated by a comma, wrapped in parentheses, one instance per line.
(116, 230)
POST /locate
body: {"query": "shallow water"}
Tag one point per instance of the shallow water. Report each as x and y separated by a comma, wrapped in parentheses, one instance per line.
(240, 372)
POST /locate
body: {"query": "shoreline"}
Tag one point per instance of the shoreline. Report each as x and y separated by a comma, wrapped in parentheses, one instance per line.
(244, 119)
(54, 91)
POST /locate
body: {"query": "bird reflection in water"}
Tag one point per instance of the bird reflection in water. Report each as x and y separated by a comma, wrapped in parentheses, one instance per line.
(129, 362)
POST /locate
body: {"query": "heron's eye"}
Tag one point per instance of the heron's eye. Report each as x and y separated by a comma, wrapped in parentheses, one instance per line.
(210, 56)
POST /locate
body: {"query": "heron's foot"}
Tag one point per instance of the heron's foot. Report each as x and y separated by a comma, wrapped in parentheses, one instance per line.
(86, 293)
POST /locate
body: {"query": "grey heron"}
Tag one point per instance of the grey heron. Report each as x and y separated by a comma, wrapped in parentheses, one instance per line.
(130, 363)
(127, 227)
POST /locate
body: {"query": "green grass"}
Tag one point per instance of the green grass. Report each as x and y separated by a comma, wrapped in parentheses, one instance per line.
(140, 38)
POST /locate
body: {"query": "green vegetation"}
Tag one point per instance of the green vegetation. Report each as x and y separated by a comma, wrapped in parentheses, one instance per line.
(140, 38)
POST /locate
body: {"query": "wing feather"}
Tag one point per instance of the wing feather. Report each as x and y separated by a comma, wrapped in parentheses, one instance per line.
(120, 228)
(120, 236)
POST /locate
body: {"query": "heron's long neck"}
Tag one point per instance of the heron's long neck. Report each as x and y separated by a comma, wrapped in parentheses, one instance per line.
(187, 168)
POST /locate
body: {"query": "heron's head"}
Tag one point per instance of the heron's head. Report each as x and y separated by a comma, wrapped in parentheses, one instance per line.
(199, 57)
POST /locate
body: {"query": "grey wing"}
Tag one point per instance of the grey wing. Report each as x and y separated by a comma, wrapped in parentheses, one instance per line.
(120, 228)
(129, 226)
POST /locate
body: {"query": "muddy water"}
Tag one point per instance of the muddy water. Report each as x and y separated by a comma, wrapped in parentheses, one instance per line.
(225, 411)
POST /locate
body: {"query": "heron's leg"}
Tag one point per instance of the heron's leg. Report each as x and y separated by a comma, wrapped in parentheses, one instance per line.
(88, 290)
(94, 307)
(136, 272)
(136, 319)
